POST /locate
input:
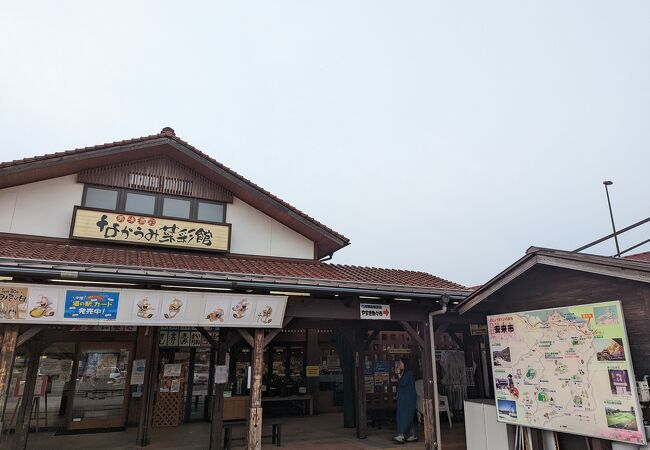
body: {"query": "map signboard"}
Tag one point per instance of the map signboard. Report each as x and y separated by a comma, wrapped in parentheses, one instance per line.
(566, 369)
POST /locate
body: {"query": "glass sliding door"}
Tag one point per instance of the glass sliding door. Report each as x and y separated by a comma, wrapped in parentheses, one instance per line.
(101, 382)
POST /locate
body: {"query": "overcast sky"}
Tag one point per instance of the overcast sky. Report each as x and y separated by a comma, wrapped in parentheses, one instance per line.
(442, 136)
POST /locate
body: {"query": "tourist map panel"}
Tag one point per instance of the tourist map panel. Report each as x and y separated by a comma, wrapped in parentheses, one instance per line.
(566, 369)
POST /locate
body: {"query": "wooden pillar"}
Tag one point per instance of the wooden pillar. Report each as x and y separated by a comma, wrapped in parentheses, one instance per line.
(254, 441)
(429, 385)
(7, 354)
(23, 418)
(216, 425)
(143, 348)
(536, 439)
(360, 363)
(313, 359)
(190, 386)
(213, 362)
(149, 387)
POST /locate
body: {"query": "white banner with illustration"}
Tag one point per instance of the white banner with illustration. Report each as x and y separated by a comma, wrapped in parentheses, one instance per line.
(36, 303)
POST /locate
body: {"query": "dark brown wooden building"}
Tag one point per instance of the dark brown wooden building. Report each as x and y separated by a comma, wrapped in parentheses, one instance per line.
(547, 278)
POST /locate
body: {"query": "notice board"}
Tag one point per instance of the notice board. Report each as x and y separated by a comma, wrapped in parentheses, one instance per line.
(566, 369)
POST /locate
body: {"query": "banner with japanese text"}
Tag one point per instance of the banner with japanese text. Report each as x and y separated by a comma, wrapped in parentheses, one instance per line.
(55, 304)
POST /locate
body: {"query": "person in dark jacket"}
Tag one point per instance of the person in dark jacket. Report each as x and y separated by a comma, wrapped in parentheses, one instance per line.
(406, 399)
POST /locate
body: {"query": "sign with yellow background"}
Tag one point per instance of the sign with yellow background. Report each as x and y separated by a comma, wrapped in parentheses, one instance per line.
(135, 229)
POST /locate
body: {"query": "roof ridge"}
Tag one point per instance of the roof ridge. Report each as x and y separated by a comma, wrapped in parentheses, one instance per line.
(168, 133)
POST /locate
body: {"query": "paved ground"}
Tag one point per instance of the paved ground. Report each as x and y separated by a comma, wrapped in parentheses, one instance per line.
(321, 432)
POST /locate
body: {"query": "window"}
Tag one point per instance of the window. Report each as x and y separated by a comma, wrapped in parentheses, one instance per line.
(140, 203)
(101, 198)
(137, 202)
(211, 212)
(176, 207)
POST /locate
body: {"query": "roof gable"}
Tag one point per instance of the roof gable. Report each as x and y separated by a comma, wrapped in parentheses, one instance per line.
(167, 144)
(603, 265)
(161, 175)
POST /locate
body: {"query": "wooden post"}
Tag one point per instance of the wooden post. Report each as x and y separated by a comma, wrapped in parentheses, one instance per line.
(190, 386)
(254, 441)
(313, 359)
(216, 425)
(149, 388)
(9, 338)
(429, 385)
(19, 439)
(536, 438)
(360, 360)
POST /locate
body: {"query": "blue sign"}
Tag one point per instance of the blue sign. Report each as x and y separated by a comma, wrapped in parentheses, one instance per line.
(91, 305)
(381, 366)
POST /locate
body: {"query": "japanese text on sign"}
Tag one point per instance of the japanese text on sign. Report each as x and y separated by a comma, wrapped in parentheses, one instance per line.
(91, 305)
(373, 311)
(128, 228)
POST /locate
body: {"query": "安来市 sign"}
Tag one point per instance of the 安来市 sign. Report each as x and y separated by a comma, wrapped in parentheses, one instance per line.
(566, 369)
(53, 304)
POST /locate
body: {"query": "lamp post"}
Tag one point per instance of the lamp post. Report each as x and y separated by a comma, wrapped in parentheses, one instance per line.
(611, 216)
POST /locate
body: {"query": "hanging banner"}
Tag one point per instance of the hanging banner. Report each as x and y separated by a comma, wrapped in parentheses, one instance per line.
(54, 304)
(125, 228)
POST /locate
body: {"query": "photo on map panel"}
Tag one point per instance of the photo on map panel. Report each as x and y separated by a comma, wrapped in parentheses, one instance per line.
(606, 315)
(507, 409)
(501, 357)
(621, 418)
(609, 349)
(619, 382)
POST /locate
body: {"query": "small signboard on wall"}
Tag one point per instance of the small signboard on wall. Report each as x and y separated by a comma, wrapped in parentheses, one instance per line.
(374, 311)
(313, 371)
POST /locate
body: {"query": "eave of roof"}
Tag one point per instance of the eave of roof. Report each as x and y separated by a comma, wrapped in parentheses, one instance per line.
(603, 265)
(28, 170)
(104, 261)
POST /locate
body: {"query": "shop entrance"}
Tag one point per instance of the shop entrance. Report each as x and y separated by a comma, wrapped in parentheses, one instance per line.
(99, 396)
(189, 397)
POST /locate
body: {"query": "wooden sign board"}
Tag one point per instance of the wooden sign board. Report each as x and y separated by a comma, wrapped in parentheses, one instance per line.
(125, 228)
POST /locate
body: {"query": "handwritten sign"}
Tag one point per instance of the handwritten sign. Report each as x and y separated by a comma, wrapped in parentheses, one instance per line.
(92, 224)
(13, 302)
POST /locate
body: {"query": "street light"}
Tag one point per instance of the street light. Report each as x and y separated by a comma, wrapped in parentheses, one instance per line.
(611, 216)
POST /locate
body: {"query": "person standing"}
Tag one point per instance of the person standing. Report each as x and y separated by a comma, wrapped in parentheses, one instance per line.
(406, 401)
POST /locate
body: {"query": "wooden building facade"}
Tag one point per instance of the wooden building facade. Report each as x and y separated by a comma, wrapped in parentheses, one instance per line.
(547, 278)
(144, 284)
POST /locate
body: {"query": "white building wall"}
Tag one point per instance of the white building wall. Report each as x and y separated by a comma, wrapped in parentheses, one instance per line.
(43, 208)
(255, 233)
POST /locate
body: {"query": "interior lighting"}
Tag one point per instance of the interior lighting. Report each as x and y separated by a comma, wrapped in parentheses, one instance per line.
(114, 283)
(295, 294)
(195, 287)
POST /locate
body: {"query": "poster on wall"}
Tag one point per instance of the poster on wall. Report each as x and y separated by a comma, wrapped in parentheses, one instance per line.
(55, 304)
(91, 305)
(566, 369)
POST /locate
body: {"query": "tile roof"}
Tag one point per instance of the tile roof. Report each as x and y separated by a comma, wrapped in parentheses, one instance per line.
(305, 272)
(639, 257)
(168, 133)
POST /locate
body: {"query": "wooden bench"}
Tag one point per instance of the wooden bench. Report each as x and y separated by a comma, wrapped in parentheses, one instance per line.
(276, 432)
